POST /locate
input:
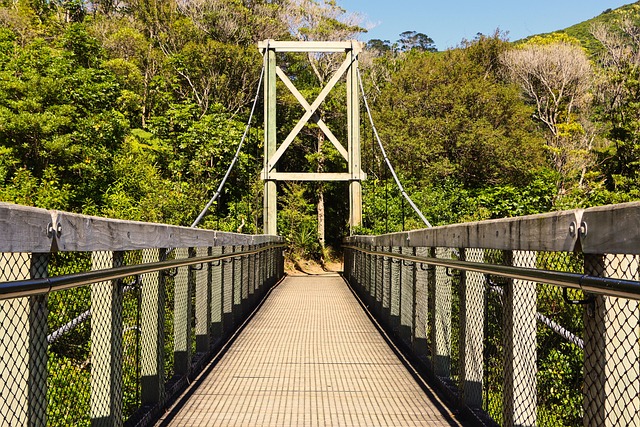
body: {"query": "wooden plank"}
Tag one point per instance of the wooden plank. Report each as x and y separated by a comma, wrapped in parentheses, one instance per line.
(613, 229)
(24, 229)
(259, 239)
(89, 233)
(544, 232)
(392, 239)
(310, 176)
(224, 238)
(311, 46)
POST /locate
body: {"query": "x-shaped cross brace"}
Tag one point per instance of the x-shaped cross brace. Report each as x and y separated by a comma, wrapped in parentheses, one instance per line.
(311, 113)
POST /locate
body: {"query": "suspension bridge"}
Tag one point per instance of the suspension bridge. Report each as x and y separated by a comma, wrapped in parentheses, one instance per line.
(517, 322)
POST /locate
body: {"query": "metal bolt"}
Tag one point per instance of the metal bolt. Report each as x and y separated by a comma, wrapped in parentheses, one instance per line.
(572, 229)
(58, 229)
(583, 229)
(50, 230)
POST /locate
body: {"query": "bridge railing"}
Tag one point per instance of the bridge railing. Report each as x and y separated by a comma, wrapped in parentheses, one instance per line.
(522, 321)
(103, 321)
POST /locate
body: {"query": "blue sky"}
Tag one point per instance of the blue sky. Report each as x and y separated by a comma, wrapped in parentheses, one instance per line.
(447, 22)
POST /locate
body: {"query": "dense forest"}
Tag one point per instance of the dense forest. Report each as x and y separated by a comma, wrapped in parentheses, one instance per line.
(134, 110)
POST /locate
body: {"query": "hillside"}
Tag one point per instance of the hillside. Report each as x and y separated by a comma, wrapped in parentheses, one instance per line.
(581, 31)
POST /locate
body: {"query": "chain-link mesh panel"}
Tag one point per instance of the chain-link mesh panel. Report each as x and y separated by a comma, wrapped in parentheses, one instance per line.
(245, 281)
(251, 278)
(169, 334)
(386, 286)
(203, 278)
(380, 277)
(182, 316)
(152, 330)
(108, 348)
(472, 294)
(407, 298)
(106, 342)
(441, 324)
(560, 346)
(131, 329)
(394, 285)
(528, 353)
(494, 340)
(227, 291)
(69, 324)
(216, 297)
(454, 277)
(421, 307)
(237, 285)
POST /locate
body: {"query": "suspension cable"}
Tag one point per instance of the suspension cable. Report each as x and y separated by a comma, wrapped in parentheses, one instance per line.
(235, 158)
(386, 159)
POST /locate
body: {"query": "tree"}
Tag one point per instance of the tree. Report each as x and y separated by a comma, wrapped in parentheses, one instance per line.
(442, 117)
(617, 96)
(555, 74)
(410, 40)
(378, 47)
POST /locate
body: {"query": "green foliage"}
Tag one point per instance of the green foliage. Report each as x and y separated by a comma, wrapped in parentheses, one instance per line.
(443, 116)
(297, 223)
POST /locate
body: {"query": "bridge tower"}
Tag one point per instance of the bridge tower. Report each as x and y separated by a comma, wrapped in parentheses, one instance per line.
(273, 153)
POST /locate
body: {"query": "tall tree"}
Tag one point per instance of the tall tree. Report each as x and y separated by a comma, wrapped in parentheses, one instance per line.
(410, 40)
(617, 96)
(555, 74)
(441, 116)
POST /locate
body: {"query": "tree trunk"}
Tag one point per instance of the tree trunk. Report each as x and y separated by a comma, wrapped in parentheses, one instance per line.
(320, 189)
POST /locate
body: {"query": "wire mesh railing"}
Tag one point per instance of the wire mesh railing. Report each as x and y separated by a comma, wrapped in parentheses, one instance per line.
(524, 321)
(102, 323)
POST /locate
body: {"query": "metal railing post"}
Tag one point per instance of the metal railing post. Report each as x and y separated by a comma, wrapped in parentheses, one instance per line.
(152, 318)
(106, 344)
(38, 312)
(612, 349)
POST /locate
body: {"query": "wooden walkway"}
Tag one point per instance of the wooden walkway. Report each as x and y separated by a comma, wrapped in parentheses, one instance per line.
(309, 357)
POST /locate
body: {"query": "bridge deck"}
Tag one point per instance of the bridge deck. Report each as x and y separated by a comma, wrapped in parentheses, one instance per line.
(309, 357)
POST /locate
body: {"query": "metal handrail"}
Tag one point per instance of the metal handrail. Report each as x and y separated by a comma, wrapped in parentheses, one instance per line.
(31, 287)
(621, 288)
